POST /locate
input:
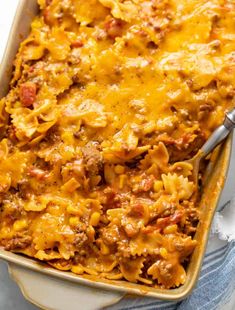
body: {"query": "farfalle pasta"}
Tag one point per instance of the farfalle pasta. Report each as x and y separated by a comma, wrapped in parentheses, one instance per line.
(108, 100)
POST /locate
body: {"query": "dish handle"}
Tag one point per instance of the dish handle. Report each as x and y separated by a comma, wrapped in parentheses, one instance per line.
(50, 293)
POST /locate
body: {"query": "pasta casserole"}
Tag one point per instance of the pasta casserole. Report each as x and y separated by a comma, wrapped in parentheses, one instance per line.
(108, 100)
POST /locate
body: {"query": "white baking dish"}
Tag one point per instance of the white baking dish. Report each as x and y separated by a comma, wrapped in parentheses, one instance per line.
(52, 289)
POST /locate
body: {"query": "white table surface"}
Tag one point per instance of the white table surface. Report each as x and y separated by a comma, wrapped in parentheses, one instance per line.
(10, 295)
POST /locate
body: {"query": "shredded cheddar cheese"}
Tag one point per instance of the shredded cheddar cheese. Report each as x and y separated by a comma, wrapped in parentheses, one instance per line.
(108, 99)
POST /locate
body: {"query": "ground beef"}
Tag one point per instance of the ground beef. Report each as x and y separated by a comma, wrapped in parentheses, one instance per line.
(165, 269)
(17, 243)
(80, 239)
(92, 158)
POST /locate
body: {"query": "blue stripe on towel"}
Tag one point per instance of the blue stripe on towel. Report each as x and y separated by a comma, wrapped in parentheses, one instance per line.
(215, 252)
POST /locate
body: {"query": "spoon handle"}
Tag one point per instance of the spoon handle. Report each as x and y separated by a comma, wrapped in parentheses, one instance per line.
(220, 133)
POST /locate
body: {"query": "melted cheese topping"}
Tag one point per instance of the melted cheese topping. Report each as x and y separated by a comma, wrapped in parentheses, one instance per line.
(107, 101)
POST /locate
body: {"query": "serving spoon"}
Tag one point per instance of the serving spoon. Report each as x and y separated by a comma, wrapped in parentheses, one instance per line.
(217, 137)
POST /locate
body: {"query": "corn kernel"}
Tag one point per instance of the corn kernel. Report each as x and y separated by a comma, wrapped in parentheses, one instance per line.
(104, 249)
(73, 210)
(109, 173)
(93, 195)
(90, 233)
(77, 270)
(37, 23)
(94, 219)
(122, 180)
(119, 169)
(5, 232)
(164, 253)
(157, 186)
(20, 225)
(68, 137)
(74, 221)
(95, 180)
(70, 186)
(171, 229)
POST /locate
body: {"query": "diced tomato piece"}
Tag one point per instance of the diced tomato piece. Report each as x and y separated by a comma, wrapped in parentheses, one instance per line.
(169, 220)
(48, 17)
(114, 28)
(77, 43)
(28, 92)
(137, 211)
(37, 173)
(176, 217)
(148, 183)
(163, 222)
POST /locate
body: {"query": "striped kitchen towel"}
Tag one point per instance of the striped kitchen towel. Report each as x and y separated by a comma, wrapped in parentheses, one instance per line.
(216, 286)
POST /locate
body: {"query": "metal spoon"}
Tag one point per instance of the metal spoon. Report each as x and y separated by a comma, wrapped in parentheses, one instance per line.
(215, 139)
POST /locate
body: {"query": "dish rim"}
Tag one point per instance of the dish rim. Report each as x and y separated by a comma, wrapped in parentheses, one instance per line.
(113, 285)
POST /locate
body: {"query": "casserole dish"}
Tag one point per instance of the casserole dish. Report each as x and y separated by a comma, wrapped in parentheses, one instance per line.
(31, 274)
